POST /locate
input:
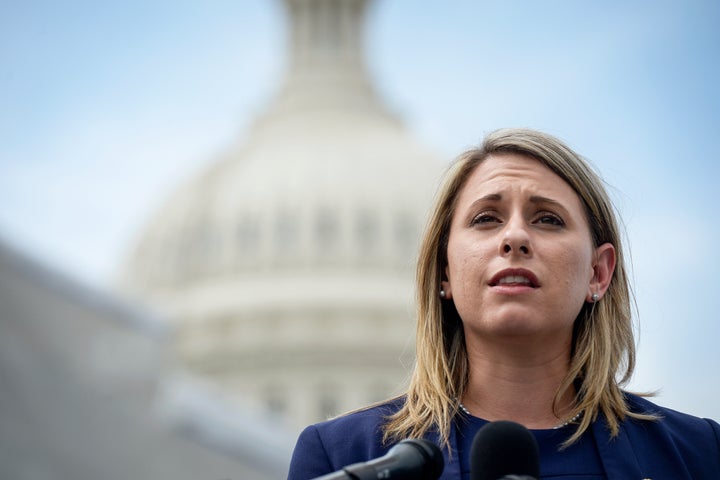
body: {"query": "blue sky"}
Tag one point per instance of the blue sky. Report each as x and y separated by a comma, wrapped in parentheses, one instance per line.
(106, 106)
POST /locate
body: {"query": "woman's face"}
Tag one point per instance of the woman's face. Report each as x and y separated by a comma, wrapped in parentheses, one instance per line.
(520, 256)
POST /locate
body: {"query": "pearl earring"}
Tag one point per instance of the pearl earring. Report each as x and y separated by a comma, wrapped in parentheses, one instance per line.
(595, 297)
(442, 293)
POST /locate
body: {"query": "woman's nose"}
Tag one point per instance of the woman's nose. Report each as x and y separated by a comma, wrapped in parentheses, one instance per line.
(522, 248)
(515, 239)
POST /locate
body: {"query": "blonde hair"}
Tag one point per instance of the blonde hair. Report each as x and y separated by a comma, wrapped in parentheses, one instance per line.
(603, 348)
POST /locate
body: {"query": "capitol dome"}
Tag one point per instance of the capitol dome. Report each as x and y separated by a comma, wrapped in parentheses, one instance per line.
(318, 195)
(286, 268)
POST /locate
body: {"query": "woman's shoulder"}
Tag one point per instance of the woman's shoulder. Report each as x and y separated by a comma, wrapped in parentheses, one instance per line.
(363, 421)
(673, 420)
(350, 438)
(692, 440)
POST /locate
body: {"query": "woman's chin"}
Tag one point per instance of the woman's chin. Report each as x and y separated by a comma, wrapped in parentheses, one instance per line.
(530, 329)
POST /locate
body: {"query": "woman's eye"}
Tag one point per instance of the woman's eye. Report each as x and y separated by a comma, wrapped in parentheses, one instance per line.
(484, 218)
(550, 219)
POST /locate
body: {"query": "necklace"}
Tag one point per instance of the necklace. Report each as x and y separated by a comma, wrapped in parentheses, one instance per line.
(556, 427)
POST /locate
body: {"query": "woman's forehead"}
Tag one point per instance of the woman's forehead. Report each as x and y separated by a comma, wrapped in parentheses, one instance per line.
(503, 174)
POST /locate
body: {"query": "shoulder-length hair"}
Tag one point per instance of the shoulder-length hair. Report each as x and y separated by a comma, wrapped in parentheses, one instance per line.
(603, 347)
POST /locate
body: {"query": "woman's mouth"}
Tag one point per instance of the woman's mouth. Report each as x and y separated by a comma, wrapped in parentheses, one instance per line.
(514, 280)
(514, 277)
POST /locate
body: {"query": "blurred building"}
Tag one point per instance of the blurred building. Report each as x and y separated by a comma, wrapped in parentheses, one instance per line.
(286, 268)
(83, 393)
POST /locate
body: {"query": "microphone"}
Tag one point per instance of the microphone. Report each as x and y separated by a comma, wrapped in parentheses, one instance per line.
(413, 459)
(504, 450)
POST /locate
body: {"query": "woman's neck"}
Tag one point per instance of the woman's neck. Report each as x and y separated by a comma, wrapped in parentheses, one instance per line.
(518, 383)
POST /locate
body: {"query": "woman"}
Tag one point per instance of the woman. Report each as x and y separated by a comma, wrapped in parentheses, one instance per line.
(524, 315)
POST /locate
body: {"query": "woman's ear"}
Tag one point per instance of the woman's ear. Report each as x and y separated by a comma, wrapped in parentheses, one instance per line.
(603, 270)
(445, 287)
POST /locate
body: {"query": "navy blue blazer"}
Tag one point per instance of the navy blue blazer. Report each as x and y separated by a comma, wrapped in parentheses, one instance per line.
(676, 447)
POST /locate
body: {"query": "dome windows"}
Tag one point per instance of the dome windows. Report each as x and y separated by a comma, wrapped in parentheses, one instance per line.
(327, 232)
(367, 232)
(311, 236)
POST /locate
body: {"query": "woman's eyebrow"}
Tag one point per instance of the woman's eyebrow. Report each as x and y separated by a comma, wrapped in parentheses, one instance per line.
(534, 199)
(490, 197)
(541, 199)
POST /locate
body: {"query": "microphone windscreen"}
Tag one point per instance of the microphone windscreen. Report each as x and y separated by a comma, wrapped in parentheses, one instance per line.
(504, 448)
(432, 463)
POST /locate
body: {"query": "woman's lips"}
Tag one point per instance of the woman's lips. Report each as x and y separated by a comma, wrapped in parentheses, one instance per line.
(514, 277)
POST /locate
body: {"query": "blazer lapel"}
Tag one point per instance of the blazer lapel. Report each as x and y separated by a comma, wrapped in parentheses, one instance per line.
(617, 454)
